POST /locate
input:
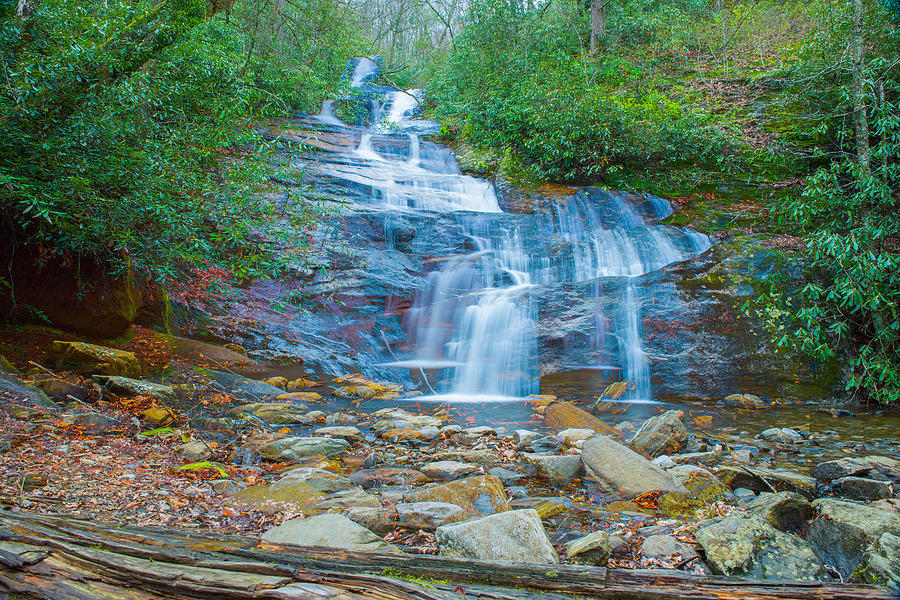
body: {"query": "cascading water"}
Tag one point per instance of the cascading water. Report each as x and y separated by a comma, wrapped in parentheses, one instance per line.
(473, 330)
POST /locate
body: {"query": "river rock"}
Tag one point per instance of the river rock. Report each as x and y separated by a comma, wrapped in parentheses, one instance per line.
(346, 499)
(843, 467)
(888, 468)
(281, 413)
(379, 520)
(299, 397)
(91, 358)
(7, 367)
(317, 479)
(786, 511)
(368, 478)
(60, 390)
(765, 480)
(429, 515)
(400, 414)
(574, 437)
(703, 488)
(279, 382)
(516, 536)
(341, 431)
(665, 546)
(195, 452)
(593, 549)
(448, 469)
(748, 401)
(881, 563)
(844, 530)
(558, 468)
(476, 495)
(698, 458)
(26, 394)
(407, 434)
(125, 386)
(565, 415)
(333, 531)
(781, 435)
(524, 437)
(624, 471)
(298, 448)
(746, 545)
(860, 488)
(662, 434)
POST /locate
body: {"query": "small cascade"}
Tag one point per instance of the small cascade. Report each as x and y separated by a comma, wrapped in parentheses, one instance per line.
(401, 104)
(365, 150)
(364, 69)
(326, 115)
(414, 150)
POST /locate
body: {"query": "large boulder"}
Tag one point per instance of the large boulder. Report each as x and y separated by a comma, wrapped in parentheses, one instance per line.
(298, 448)
(662, 434)
(332, 531)
(90, 358)
(747, 545)
(516, 536)
(624, 471)
(844, 530)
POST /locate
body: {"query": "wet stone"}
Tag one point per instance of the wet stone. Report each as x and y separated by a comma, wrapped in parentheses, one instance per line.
(662, 434)
(448, 469)
(429, 514)
(785, 511)
(860, 488)
(516, 535)
(592, 549)
(843, 467)
(664, 546)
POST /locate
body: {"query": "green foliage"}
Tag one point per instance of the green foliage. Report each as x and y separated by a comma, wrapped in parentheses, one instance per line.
(128, 136)
(523, 81)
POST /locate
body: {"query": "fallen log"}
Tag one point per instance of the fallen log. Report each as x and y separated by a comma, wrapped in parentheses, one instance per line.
(64, 558)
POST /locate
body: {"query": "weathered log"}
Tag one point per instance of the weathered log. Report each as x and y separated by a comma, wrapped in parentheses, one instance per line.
(62, 558)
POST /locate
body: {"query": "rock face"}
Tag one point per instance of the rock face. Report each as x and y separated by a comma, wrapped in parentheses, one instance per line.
(844, 530)
(73, 296)
(333, 531)
(96, 359)
(662, 434)
(297, 448)
(515, 535)
(623, 470)
(747, 545)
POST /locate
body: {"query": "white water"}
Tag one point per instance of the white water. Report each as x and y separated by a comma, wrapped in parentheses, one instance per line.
(366, 67)
(326, 115)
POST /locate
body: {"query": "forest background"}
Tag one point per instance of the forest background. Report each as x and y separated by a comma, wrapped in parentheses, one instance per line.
(130, 138)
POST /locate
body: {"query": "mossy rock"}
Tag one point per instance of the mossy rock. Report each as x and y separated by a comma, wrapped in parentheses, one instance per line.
(96, 359)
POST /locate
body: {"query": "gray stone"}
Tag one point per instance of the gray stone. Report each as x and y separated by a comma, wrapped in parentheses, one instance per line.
(881, 563)
(843, 467)
(345, 499)
(844, 530)
(429, 514)
(312, 478)
(744, 494)
(515, 535)
(662, 434)
(785, 511)
(663, 546)
(764, 480)
(545, 444)
(26, 394)
(125, 386)
(860, 488)
(698, 458)
(332, 531)
(505, 475)
(341, 431)
(663, 461)
(781, 435)
(574, 437)
(559, 468)
(887, 467)
(624, 471)
(298, 448)
(746, 545)
(60, 389)
(195, 452)
(592, 549)
(448, 469)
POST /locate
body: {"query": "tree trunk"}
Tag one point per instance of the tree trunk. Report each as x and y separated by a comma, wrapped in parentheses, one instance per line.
(598, 24)
(63, 558)
(860, 113)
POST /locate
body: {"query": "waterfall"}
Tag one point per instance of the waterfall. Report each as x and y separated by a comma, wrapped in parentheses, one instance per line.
(326, 115)
(473, 323)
